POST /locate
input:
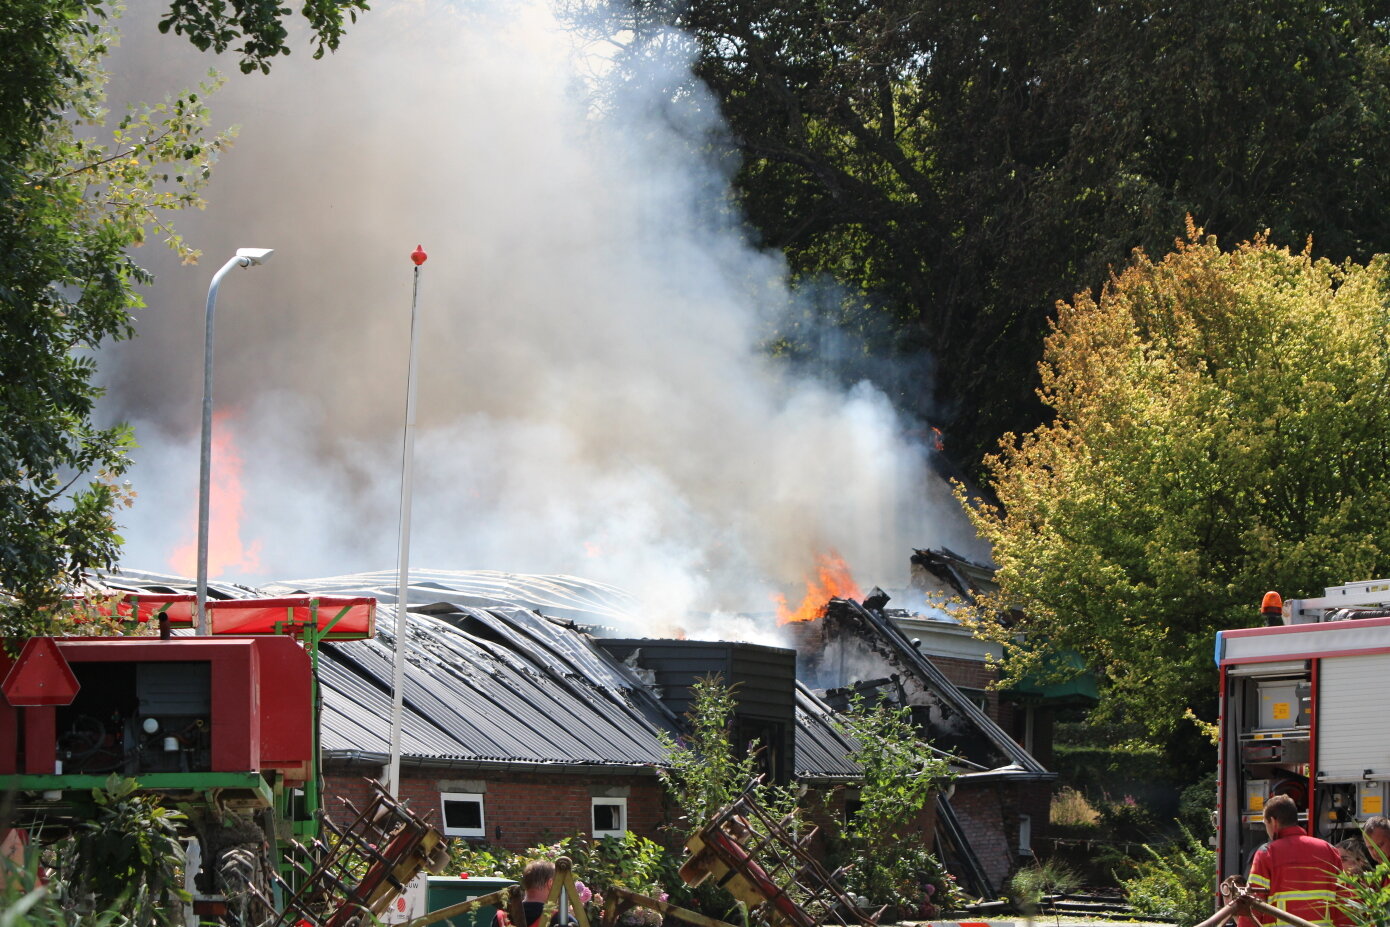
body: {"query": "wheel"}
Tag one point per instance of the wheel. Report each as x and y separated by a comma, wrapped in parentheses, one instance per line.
(243, 879)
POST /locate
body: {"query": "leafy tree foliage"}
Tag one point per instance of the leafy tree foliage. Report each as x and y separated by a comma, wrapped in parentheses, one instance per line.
(962, 165)
(70, 207)
(1221, 428)
(216, 24)
(124, 867)
(707, 770)
(72, 204)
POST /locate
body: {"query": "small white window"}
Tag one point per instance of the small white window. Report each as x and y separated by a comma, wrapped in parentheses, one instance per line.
(1025, 835)
(463, 814)
(610, 817)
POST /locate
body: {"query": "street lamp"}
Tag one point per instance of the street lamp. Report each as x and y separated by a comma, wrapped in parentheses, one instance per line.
(245, 257)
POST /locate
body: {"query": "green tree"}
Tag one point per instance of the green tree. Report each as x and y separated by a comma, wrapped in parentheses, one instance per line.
(216, 24)
(70, 208)
(1221, 428)
(707, 770)
(959, 166)
(891, 862)
(76, 195)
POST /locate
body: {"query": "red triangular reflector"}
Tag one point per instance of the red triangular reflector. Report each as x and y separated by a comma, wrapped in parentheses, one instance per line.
(40, 676)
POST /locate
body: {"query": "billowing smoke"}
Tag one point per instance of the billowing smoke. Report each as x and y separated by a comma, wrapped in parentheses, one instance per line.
(592, 395)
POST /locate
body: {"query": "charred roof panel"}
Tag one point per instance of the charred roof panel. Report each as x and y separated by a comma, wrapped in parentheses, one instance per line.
(854, 643)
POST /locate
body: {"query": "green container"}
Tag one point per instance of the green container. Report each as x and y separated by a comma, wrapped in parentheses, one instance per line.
(447, 891)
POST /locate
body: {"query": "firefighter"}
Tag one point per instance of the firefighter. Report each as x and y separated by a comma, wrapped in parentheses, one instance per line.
(1295, 872)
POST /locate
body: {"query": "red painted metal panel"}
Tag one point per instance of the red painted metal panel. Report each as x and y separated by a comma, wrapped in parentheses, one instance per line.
(351, 618)
(143, 607)
(40, 740)
(40, 676)
(235, 717)
(9, 726)
(287, 734)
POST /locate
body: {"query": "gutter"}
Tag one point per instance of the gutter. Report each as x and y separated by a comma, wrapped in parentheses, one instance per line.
(444, 764)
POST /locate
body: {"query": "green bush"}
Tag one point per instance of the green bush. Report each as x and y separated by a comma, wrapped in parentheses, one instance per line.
(1031, 884)
(481, 859)
(1368, 895)
(913, 883)
(1197, 804)
(1177, 883)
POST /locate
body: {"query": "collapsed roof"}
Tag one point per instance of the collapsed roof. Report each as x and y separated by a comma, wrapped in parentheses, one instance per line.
(859, 649)
(495, 679)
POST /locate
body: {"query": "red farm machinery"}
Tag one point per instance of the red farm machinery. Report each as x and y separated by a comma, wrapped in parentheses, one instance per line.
(223, 728)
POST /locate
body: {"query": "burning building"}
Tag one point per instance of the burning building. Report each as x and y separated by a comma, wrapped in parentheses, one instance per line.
(525, 717)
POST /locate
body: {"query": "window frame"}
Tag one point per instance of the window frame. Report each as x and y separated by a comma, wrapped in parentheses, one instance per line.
(620, 802)
(475, 797)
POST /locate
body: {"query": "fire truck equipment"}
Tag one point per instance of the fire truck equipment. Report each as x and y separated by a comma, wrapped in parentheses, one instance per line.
(1303, 706)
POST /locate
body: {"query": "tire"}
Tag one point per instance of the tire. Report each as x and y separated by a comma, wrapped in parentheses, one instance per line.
(242, 879)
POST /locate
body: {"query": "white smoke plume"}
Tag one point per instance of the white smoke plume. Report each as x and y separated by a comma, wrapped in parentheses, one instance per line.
(592, 397)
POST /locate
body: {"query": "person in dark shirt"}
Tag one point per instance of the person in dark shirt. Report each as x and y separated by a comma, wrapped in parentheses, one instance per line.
(536, 881)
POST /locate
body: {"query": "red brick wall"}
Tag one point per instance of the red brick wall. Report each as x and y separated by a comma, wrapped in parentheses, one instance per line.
(990, 814)
(981, 815)
(520, 810)
(973, 674)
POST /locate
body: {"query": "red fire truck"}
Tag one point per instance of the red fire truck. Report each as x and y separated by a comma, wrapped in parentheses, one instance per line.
(1305, 712)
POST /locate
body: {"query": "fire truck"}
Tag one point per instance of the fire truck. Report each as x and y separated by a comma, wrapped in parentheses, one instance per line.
(1305, 712)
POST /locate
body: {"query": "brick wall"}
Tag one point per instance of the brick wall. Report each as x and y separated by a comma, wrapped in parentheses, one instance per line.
(520, 810)
(972, 674)
(981, 814)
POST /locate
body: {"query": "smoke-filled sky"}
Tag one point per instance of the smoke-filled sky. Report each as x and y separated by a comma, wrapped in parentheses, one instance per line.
(592, 398)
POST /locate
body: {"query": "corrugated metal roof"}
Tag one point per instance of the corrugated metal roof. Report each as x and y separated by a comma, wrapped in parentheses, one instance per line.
(822, 751)
(557, 595)
(475, 700)
(490, 682)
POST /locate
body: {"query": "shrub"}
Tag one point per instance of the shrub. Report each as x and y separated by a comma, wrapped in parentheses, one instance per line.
(1197, 806)
(481, 859)
(890, 863)
(1031, 884)
(1367, 895)
(1070, 808)
(1125, 817)
(1176, 883)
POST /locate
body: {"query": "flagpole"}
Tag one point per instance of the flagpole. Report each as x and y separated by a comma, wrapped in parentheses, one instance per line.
(393, 775)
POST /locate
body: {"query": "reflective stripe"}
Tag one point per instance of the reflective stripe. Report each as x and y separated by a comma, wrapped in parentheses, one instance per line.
(1257, 881)
(1310, 895)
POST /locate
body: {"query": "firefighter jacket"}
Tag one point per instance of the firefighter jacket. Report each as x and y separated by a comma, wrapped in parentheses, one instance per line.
(1297, 873)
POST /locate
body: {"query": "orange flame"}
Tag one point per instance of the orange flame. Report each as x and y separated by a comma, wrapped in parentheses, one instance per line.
(225, 497)
(832, 580)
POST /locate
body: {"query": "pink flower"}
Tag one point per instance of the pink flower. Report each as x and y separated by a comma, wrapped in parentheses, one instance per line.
(662, 897)
(584, 893)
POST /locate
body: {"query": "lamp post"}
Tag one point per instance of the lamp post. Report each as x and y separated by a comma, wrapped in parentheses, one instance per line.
(245, 257)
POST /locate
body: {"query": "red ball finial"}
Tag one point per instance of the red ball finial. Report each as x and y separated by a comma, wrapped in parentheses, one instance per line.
(418, 255)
